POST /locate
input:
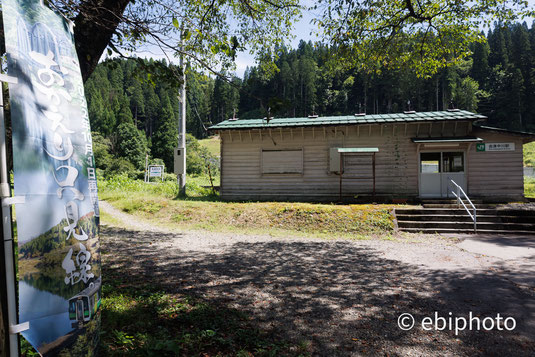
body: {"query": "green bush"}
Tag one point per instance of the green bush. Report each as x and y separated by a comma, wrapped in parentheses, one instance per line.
(124, 183)
(101, 151)
(119, 166)
(529, 154)
(198, 158)
(529, 187)
(169, 177)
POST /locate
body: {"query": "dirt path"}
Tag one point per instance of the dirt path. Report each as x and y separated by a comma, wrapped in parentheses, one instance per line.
(338, 297)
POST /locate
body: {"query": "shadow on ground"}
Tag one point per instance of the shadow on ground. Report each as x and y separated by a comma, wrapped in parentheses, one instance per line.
(336, 297)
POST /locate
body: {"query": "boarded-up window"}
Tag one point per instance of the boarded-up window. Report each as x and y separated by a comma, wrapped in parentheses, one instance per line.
(282, 161)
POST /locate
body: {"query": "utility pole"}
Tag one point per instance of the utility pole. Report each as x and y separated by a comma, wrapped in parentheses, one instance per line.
(181, 175)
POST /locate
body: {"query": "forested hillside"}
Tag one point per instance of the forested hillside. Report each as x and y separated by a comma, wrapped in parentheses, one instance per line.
(131, 115)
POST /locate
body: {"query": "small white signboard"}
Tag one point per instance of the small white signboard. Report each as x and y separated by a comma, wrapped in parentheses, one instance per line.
(154, 171)
(495, 147)
(500, 147)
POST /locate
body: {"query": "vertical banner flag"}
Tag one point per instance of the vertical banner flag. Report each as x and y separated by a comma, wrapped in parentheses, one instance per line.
(53, 165)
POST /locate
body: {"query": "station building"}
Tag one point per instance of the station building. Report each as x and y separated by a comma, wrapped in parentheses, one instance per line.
(384, 157)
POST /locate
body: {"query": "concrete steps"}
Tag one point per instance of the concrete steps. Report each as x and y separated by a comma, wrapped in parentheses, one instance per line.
(454, 205)
(468, 231)
(465, 218)
(443, 216)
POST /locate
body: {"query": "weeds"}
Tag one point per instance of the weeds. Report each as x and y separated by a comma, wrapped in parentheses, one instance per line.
(529, 187)
(203, 210)
(142, 320)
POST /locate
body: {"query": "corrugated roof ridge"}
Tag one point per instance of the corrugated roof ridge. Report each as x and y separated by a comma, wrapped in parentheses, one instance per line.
(348, 119)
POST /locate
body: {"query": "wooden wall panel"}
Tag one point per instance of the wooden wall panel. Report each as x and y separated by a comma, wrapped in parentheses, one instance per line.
(493, 173)
(490, 174)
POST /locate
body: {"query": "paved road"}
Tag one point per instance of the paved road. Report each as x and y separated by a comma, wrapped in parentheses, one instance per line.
(341, 297)
(516, 255)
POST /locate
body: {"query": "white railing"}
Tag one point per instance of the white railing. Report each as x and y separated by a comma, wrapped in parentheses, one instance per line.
(457, 193)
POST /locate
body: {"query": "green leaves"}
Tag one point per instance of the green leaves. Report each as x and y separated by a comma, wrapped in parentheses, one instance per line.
(424, 35)
(186, 35)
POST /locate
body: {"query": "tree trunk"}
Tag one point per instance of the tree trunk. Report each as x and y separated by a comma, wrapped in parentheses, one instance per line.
(95, 23)
(436, 92)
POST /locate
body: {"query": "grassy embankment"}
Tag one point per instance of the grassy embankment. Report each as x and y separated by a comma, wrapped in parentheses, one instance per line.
(202, 210)
(212, 144)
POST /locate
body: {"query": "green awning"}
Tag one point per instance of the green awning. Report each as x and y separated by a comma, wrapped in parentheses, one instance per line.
(459, 139)
(357, 150)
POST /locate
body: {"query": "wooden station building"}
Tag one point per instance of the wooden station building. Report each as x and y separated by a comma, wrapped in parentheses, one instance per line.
(410, 155)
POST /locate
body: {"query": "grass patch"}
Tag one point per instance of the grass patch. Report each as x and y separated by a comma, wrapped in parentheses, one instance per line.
(529, 187)
(529, 154)
(212, 144)
(109, 219)
(202, 210)
(141, 319)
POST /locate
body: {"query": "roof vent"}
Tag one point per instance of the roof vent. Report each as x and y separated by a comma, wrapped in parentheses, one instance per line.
(409, 109)
(234, 116)
(359, 114)
(313, 115)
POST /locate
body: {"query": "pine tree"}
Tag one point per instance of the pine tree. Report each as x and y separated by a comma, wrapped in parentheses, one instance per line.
(164, 139)
(124, 114)
(480, 67)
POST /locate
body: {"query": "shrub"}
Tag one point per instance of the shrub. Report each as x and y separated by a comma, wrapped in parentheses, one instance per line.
(101, 151)
(198, 157)
(118, 166)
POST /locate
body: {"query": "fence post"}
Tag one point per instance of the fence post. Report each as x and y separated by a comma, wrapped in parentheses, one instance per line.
(475, 221)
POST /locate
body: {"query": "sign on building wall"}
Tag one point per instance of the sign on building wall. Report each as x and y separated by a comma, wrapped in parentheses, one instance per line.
(58, 242)
(495, 147)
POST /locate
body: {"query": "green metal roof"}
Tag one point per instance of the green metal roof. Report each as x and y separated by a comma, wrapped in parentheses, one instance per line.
(348, 120)
(518, 132)
(357, 150)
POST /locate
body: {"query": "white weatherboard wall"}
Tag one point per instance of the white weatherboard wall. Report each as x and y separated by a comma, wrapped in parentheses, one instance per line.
(396, 161)
(496, 173)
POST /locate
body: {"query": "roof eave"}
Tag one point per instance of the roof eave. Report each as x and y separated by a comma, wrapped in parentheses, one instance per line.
(507, 131)
(299, 125)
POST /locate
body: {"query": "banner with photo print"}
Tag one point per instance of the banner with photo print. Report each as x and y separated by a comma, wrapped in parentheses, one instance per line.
(53, 166)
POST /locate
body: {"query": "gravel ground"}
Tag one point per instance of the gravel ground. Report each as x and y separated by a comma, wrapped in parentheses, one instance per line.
(338, 297)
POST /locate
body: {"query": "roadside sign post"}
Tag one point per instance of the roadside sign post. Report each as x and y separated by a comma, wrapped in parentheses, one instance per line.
(154, 171)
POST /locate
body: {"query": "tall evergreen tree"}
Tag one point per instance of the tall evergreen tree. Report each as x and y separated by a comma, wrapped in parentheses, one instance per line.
(165, 137)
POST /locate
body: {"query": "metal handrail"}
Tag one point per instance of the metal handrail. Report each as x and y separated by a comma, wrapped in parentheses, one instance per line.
(460, 201)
